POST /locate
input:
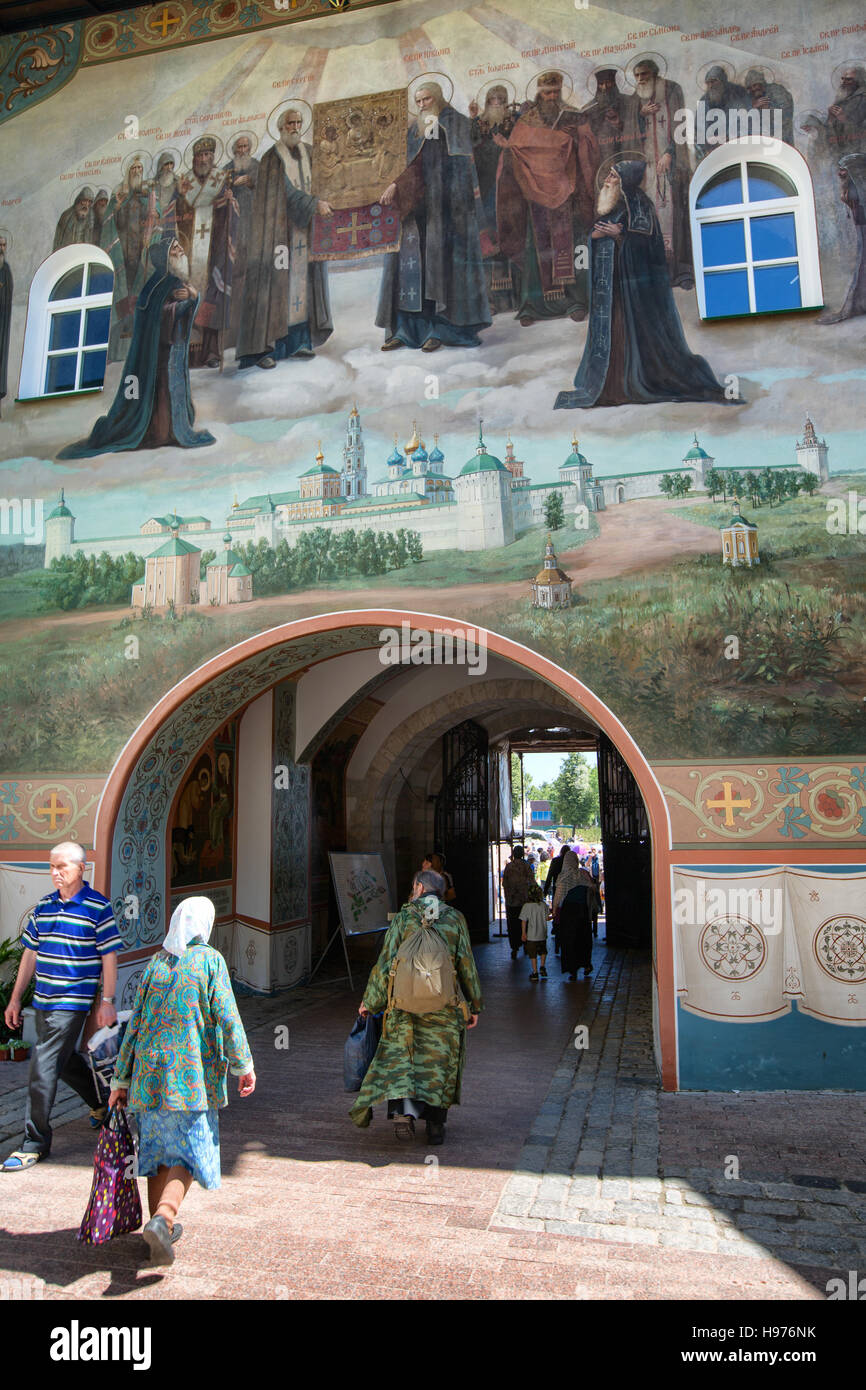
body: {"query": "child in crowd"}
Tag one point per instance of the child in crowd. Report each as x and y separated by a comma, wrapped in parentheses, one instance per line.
(533, 921)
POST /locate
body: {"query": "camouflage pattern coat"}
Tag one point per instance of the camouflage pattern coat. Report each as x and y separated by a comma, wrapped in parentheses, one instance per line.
(420, 1055)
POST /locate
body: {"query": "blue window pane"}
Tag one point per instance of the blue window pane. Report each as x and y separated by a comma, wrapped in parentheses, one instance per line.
(64, 331)
(723, 188)
(727, 292)
(777, 287)
(92, 368)
(69, 285)
(100, 280)
(723, 243)
(60, 375)
(96, 327)
(773, 237)
(766, 182)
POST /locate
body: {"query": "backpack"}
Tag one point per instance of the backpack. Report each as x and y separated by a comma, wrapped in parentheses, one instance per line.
(422, 978)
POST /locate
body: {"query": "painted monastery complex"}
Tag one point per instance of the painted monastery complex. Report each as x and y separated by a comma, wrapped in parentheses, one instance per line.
(489, 503)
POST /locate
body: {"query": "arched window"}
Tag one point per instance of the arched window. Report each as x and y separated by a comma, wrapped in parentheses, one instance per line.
(68, 317)
(754, 237)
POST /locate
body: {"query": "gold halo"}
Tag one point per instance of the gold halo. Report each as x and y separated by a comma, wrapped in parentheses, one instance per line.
(204, 772)
(567, 83)
(836, 74)
(445, 81)
(725, 63)
(495, 82)
(250, 135)
(144, 159)
(217, 154)
(296, 103)
(607, 164)
(658, 58)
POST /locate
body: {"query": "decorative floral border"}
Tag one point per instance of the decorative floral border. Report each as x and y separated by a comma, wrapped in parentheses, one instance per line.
(44, 811)
(813, 801)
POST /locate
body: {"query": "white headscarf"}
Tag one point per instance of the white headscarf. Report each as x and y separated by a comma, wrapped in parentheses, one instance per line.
(193, 917)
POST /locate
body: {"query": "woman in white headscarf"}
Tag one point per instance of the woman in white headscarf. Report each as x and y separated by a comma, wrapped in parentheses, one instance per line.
(185, 1028)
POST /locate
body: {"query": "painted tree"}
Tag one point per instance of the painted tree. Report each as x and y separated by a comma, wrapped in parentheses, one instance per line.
(714, 483)
(554, 511)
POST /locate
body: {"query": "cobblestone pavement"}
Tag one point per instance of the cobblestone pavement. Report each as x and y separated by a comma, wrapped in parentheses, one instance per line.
(580, 1198)
(612, 1158)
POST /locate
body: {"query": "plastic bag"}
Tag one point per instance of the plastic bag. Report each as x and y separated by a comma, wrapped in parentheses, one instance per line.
(360, 1049)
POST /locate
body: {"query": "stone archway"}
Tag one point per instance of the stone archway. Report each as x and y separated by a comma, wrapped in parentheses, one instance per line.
(131, 827)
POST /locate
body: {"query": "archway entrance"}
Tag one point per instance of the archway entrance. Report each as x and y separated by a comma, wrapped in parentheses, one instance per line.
(339, 747)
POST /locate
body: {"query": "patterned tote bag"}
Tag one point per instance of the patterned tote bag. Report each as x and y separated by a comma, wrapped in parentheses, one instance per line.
(114, 1208)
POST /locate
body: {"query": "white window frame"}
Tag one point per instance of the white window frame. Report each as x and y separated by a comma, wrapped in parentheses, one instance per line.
(788, 161)
(41, 309)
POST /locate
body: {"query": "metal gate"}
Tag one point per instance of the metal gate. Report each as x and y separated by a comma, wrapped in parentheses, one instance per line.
(462, 821)
(625, 837)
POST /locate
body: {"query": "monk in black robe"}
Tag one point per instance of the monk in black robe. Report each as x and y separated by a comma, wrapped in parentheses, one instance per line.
(153, 406)
(635, 351)
(5, 313)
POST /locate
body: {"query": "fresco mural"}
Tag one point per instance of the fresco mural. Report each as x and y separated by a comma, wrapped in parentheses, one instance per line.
(202, 826)
(355, 311)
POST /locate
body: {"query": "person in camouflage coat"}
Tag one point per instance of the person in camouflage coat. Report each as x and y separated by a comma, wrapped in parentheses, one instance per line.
(419, 1061)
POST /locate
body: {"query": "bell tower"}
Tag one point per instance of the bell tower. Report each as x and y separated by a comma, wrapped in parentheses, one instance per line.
(812, 453)
(354, 473)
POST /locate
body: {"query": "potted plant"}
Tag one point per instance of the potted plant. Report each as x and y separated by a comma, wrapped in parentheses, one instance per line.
(5, 1055)
(19, 1050)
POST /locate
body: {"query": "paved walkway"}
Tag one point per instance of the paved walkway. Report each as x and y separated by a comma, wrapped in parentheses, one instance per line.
(565, 1173)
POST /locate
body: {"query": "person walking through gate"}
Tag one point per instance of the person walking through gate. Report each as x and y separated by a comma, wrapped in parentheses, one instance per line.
(71, 940)
(517, 879)
(572, 906)
(595, 871)
(419, 1062)
(436, 862)
(170, 1070)
(533, 920)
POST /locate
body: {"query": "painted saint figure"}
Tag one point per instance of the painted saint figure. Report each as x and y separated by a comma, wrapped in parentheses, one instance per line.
(635, 351)
(100, 204)
(153, 405)
(544, 203)
(75, 225)
(611, 114)
(846, 118)
(668, 172)
(207, 222)
(497, 118)
(127, 228)
(721, 96)
(434, 289)
(286, 307)
(5, 312)
(852, 180)
(242, 173)
(771, 97)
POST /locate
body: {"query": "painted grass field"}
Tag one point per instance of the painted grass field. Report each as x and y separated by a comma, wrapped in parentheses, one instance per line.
(655, 645)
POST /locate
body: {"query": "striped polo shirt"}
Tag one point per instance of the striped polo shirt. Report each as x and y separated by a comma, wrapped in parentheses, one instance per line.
(70, 939)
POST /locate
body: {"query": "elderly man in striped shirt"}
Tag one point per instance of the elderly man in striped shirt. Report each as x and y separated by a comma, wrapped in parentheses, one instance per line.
(71, 941)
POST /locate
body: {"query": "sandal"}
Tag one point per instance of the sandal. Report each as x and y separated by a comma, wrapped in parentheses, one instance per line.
(404, 1127)
(21, 1159)
(533, 976)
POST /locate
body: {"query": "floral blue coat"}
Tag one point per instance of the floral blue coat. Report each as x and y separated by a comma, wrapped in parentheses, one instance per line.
(185, 1029)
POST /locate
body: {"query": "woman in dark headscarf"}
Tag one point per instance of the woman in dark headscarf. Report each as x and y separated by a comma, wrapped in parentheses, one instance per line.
(572, 911)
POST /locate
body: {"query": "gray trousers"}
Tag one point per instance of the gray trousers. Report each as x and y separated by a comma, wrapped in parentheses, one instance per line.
(54, 1059)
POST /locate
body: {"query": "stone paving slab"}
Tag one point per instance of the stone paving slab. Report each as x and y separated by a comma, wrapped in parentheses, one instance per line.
(678, 1150)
